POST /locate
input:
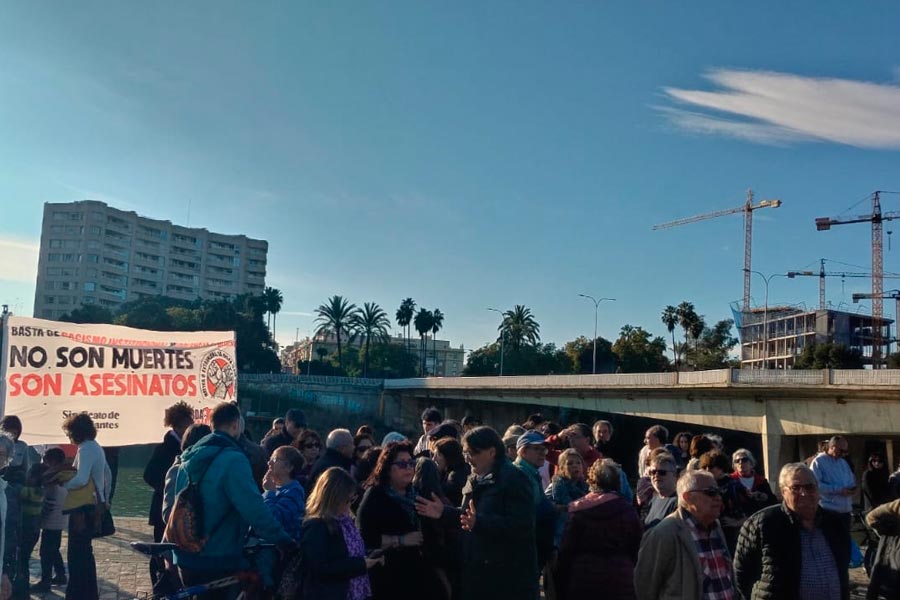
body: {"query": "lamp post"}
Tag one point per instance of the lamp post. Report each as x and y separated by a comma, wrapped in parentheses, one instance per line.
(766, 280)
(502, 337)
(596, 308)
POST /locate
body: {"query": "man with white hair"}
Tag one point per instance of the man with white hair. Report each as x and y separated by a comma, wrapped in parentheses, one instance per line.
(796, 549)
(338, 453)
(685, 556)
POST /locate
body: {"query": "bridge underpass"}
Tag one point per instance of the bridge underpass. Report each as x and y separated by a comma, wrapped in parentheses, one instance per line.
(780, 406)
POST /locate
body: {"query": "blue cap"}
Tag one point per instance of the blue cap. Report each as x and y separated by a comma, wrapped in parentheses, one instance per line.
(530, 438)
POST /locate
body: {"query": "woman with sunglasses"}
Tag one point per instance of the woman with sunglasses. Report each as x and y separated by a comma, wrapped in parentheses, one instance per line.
(333, 563)
(388, 521)
(759, 492)
(310, 446)
(497, 516)
(875, 488)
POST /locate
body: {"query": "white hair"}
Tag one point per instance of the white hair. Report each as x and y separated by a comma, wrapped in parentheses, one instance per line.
(743, 452)
(788, 471)
(339, 438)
(691, 481)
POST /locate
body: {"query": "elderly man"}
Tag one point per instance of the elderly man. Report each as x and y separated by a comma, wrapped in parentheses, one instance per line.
(796, 549)
(532, 453)
(663, 477)
(338, 453)
(685, 556)
(836, 481)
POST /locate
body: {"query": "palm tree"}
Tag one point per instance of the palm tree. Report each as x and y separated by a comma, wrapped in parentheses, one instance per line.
(519, 327)
(670, 320)
(371, 323)
(690, 322)
(336, 316)
(437, 321)
(272, 300)
(423, 322)
(404, 316)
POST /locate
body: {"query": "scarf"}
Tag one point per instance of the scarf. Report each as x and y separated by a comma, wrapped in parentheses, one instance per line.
(407, 502)
(359, 588)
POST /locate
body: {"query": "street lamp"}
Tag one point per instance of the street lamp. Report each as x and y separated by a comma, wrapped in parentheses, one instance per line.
(596, 307)
(502, 337)
(766, 280)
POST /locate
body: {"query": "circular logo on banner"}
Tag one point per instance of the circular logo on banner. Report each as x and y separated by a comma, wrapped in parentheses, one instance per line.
(217, 375)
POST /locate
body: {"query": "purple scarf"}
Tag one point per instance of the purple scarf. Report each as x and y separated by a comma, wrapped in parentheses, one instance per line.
(359, 586)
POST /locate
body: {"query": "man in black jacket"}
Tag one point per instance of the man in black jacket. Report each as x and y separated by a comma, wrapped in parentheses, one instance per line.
(338, 453)
(796, 549)
(294, 424)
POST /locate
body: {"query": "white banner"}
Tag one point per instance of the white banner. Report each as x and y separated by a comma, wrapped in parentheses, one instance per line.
(123, 377)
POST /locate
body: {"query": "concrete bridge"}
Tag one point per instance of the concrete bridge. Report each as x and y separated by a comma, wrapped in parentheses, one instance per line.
(780, 406)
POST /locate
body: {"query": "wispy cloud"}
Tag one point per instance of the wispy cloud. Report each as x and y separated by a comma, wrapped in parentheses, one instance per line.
(296, 313)
(20, 258)
(782, 108)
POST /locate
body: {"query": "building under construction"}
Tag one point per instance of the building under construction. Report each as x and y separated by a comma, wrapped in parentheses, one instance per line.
(772, 338)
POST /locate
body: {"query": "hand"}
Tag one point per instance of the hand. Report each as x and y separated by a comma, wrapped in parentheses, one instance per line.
(372, 562)
(268, 482)
(413, 538)
(467, 519)
(433, 509)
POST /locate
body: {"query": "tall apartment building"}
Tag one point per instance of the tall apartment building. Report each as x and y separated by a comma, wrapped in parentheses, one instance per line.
(92, 253)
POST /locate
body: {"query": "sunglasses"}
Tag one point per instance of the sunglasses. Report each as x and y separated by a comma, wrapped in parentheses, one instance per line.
(404, 464)
(808, 488)
(660, 472)
(742, 459)
(311, 446)
(710, 492)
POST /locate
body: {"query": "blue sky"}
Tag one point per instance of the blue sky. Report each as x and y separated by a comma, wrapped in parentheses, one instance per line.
(465, 154)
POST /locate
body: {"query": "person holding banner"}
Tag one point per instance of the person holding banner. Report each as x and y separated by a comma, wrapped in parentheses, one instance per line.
(91, 472)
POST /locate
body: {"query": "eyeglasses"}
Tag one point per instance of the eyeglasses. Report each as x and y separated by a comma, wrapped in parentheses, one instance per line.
(361, 449)
(311, 446)
(807, 488)
(272, 461)
(658, 472)
(471, 453)
(741, 459)
(404, 464)
(712, 492)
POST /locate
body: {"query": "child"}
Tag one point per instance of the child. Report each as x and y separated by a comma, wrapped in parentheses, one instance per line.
(53, 522)
(31, 497)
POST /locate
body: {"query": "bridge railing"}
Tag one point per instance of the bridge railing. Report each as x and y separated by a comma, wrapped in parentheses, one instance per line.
(778, 377)
(307, 379)
(865, 377)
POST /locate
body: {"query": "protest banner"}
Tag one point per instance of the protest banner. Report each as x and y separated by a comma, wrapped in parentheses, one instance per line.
(123, 377)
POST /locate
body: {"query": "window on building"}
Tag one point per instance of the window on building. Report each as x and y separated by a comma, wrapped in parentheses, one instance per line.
(90, 286)
(54, 257)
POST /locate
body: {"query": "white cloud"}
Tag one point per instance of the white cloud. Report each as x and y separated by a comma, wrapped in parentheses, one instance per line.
(781, 108)
(20, 259)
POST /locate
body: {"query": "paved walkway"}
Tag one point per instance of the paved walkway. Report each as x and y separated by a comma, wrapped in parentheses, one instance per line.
(122, 573)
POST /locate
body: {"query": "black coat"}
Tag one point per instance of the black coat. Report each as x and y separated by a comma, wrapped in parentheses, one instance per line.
(326, 566)
(499, 560)
(331, 458)
(767, 560)
(454, 482)
(401, 577)
(163, 457)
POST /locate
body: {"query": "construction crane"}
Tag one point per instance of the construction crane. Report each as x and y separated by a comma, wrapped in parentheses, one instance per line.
(747, 208)
(822, 274)
(895, 294)
(876, 218)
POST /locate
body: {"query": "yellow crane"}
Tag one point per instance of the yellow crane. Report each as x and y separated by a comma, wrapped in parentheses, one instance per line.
(747, 208)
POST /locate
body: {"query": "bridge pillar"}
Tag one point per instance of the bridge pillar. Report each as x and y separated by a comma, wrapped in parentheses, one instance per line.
(772, 439)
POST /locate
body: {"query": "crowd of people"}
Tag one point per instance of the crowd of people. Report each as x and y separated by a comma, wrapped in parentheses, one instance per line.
(461, 511)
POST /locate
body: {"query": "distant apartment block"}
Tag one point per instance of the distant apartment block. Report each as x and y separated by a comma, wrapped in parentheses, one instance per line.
(92, 253)
(772, 338)
(441, 358)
